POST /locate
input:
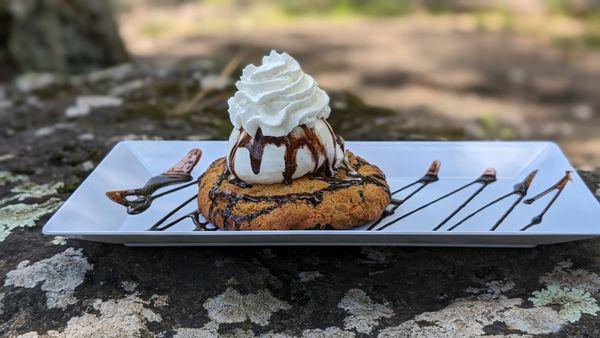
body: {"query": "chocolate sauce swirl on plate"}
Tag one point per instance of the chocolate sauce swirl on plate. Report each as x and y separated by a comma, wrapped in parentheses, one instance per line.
(558, 187)
(348, 175)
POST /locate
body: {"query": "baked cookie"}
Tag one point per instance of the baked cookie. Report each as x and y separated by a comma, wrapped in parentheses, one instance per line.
(357, 195)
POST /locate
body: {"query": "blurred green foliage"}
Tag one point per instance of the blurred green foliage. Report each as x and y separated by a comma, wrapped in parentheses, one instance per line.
(506, 16)
(573, 7)
(380, 8)
(492, 127)
(345, 7)
(401, 7)
(154, 29)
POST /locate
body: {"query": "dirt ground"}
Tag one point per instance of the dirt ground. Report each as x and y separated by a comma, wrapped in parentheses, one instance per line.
(494, 83)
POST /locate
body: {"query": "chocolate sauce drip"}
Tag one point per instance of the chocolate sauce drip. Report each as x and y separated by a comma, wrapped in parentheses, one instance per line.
(194, 216)
(138, 200)
(233, 222)
(353, 178)
(488, 177)
(559, 186)
(321, 227)
(142, 198)
(239, 183)
(292, 142)
(425, 206)
(337, 140)
(158, 225)
(430, 176)
(520, 189)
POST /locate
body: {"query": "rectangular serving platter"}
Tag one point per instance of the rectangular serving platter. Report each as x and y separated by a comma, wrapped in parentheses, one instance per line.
(575, 214)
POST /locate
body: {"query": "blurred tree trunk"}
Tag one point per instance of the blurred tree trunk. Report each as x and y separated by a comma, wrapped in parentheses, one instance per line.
(62, 36)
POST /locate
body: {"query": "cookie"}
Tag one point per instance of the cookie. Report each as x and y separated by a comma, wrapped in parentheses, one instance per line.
(357, 195)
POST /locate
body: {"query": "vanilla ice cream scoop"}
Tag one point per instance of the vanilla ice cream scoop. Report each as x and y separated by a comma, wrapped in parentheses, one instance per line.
(280, 132)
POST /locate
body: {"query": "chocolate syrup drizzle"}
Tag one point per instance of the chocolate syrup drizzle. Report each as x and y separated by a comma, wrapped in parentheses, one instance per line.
(520, 189)
(430, 176)
(292, 142)
(144, 196)
(488, 177)
(559, 186)
(194, 216)
(138, 200)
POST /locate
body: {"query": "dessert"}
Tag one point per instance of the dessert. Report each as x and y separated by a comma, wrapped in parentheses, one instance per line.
(351, 198)
(280, 130)
(286, 168)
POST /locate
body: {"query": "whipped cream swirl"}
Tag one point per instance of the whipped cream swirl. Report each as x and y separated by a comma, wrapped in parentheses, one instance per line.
(276, 97)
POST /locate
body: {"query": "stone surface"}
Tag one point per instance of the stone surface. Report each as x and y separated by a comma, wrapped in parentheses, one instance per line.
(66, 287)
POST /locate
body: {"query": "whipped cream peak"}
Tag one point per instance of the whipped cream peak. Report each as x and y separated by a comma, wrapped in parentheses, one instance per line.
(276, 97)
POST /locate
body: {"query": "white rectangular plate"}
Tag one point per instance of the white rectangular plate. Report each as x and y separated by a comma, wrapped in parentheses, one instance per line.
(575, 215)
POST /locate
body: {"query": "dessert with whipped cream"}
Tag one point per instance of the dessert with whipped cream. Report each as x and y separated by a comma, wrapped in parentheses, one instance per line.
(280, 130)
(286, 168)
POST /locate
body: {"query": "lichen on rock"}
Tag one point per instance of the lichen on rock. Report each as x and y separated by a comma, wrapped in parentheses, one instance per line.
(572, 302)
(330, 332)
(59, 275)
(211, 330)
(159, 301)
(492, 290)
(364, 313)
(32, 190)
(59, 240)
(233, 307)
(128, 285)
(564, 276)
(2, 303)
(125, 317)
(7, 177)
(24, 215)
(118, 318)
(468, 318)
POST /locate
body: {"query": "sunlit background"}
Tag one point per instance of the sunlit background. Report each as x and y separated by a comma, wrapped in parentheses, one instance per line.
(469, 69)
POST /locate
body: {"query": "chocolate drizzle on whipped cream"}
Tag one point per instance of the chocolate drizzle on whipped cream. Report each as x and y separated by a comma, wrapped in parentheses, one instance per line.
(302, 136)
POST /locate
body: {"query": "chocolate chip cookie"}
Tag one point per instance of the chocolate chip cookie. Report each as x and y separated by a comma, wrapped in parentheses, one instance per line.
(356, 195)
